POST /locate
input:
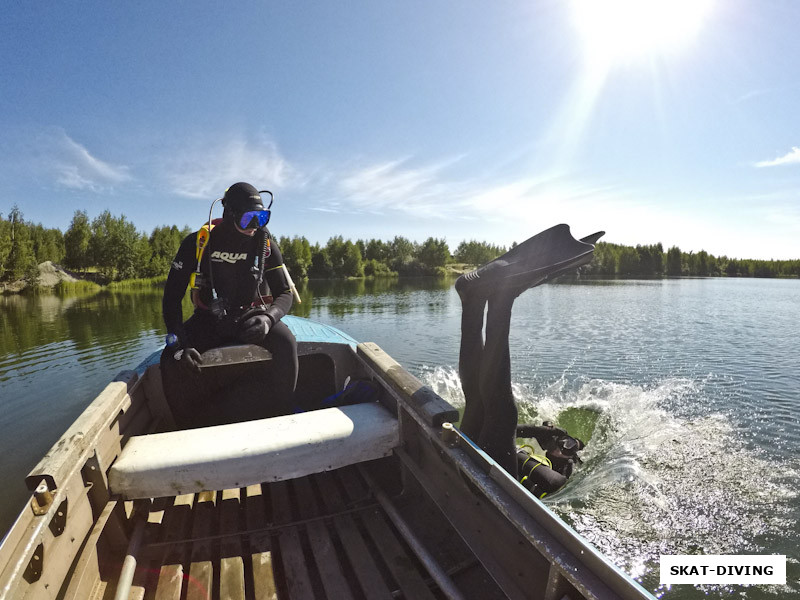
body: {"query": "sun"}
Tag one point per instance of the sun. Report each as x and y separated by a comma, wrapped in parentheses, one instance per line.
(627, 31)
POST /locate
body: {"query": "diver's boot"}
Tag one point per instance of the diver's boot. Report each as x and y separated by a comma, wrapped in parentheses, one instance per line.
(544, 256)
(481, 282)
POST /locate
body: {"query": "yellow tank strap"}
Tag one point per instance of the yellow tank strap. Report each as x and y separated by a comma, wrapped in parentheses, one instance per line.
(203, 235)
(540, 460)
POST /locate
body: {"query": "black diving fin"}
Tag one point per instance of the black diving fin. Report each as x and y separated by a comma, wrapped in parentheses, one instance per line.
(592, 239)
(544, 256)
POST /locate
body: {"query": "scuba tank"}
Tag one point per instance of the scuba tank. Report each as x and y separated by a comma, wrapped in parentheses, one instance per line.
(537, 473)
(543, 475)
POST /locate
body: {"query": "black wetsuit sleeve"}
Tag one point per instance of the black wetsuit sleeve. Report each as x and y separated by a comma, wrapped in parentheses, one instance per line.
(544, 435)
(282, 298)
(183, 265)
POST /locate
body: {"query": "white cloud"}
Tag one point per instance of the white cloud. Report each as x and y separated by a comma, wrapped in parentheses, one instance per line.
(428, 192)
(393, 186)
(207, 168)
(73, 166)
(793, 157)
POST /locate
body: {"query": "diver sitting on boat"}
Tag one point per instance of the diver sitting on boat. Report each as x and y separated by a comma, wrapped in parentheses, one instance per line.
(240, 290)
(490, 414)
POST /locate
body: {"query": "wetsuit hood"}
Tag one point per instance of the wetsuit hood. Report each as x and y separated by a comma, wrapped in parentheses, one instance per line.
(240, 198)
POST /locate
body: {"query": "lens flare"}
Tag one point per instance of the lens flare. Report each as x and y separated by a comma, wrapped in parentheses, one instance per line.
(622, 31)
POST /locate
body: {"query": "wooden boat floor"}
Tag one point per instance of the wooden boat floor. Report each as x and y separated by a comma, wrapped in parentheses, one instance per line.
(324, 536)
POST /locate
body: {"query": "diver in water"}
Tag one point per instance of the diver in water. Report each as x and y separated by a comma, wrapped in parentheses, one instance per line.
(240, 291)
(545, 473)
(490, 413)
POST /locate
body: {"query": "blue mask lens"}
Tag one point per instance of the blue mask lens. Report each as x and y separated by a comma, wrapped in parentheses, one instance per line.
(254, 218)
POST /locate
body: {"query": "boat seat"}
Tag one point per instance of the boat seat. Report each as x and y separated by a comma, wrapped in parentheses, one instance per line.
(234, 354)
(242, 454)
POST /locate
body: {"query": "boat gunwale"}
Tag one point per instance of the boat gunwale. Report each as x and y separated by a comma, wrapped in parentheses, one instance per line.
(508, 496)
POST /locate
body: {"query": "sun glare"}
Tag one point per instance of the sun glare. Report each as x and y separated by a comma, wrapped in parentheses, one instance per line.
(624, 31)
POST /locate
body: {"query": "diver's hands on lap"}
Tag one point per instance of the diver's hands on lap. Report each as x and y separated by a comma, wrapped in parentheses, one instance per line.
(189, 359)
(254, 329)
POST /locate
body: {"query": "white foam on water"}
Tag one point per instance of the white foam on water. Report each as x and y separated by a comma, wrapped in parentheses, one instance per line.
(445, 382)
(654, 482)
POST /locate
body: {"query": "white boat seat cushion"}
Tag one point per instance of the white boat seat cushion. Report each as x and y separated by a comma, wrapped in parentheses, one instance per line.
(242, 454)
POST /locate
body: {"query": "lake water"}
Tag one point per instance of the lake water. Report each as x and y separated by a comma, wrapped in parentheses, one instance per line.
(687, 391)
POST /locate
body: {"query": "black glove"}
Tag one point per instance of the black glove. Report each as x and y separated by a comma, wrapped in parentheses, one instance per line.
(254, 329)
(536, 431)
(189, 359)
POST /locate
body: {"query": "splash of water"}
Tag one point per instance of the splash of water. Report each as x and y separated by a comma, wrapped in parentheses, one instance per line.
(654, 481)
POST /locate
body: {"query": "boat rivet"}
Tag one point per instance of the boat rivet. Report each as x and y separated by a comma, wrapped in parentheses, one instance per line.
(449, 435)
(42, 498)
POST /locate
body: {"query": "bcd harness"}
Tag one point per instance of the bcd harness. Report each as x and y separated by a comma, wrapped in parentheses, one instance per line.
(197, 280)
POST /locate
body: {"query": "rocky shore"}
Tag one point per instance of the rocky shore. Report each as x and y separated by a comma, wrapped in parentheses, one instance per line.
(50, 275)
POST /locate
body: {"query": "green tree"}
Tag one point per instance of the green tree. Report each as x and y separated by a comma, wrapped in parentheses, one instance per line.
(76, 242)
(296, 255)
(321, 266)
(117, 249)
(604, 261)
(362, 247)
(764, 268)
(476, 253)
(136, 260)
(374, 268)
(702, 263)
(101, 252)
(5, 244)
(674, 268)
(48, 244)
(21, 261)
(164, 243)
(433, 253)
(377, 250)
(345, 257)
(352, 265)
(690, 260)
(336, 254)
(628, 262)
(654, 264)
(401, 253)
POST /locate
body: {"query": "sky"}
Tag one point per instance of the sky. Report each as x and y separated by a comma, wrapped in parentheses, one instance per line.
(672, 121)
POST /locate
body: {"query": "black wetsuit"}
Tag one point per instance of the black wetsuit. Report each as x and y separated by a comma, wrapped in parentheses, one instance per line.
(231, 261)
(490, 414)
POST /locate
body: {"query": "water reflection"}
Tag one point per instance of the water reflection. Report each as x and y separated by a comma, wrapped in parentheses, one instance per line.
(342, 298)
(711, 362)
(28, 322)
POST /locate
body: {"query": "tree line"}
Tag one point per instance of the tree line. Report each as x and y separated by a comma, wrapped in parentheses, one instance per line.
(109, 246)
(112, 249)
(650, 261)
(376, 258)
